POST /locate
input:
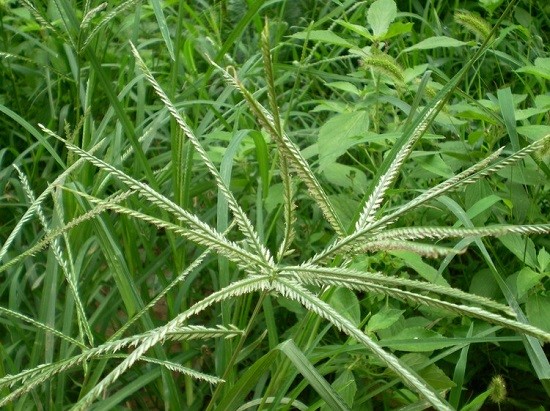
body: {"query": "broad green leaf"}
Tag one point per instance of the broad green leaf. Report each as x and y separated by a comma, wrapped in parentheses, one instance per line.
(345, 386)
(324, 36)
(356, 28)
(537, 308)
(521, 176)
(417, 339)
(472, 195)
(345, 86)
(410, 73)
(448, 120)
(436, 42)
(274, 198)
(384, 318)
(332, 106)
(543, 259)
(341, 132)
(346, 303)
(416, 361)
(523, 114)
(292, 306)
(380, 15)
(542, 100)
(490, 5)
(436, 377)
(396, 29)
(482, 205)
(344, 205)
(346, 176)
(475, 112)
(540, 69)
(527, 279)
(534, 132)
(522, 248)
(484, 284)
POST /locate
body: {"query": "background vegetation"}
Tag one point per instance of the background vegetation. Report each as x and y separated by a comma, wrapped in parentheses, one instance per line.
(259, 204)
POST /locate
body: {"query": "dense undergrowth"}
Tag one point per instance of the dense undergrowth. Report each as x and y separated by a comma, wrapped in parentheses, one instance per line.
(274, 205)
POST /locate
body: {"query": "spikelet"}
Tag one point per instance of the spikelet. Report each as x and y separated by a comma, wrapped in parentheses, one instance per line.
(384, 64)
(474, 23)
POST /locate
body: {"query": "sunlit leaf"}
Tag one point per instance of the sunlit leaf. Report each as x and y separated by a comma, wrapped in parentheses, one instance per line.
(384, 318)
(380, 15)
(342, 132)
(417, 339)
(436, 42)
(346, 303)
(323, 36)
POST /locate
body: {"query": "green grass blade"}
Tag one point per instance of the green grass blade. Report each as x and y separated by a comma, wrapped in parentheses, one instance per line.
(310, 373)
(34, 132)
(460, 371)
(10, 313)
(247, 381)
(506, 103)
(164, 29)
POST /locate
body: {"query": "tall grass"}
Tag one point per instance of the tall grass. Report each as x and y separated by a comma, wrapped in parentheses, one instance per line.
(255, 205)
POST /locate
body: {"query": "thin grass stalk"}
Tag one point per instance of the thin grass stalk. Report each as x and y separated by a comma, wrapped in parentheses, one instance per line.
(288, 191)
(56, 232)
(68, 270)
(242, 220)
(41, 326)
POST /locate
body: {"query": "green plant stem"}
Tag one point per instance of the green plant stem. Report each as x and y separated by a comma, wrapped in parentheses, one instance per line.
(232, 361)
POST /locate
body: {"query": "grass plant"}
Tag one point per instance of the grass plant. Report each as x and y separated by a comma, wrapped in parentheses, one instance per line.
(274, 205)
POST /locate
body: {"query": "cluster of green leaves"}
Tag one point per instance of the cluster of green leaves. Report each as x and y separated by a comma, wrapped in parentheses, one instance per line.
(254, 204)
